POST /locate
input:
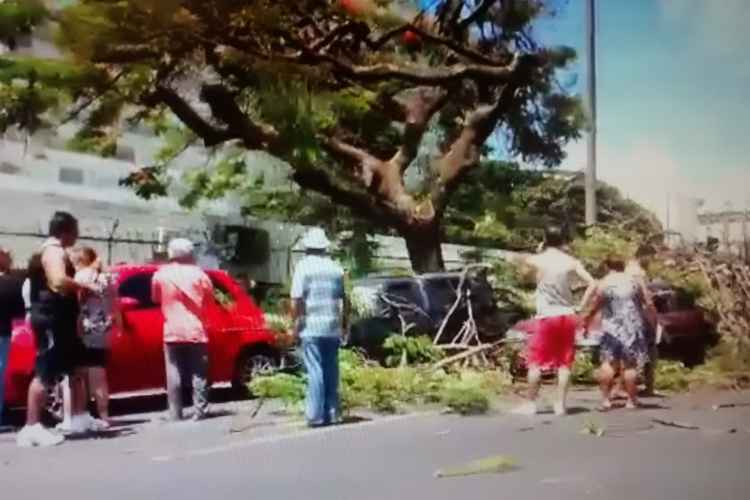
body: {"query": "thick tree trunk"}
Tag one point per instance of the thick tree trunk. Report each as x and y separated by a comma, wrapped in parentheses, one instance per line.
(424, 246)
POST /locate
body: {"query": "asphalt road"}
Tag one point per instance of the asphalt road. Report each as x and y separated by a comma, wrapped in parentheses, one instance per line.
(397, 457)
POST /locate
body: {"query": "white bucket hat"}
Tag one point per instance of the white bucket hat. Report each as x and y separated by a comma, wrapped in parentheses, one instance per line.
(180, 248)
(316, 239)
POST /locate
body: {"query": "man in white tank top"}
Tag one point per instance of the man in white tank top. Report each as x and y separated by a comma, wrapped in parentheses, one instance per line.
(552, 345)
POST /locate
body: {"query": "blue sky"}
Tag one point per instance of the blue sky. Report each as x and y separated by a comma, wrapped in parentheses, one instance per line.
(674, 81)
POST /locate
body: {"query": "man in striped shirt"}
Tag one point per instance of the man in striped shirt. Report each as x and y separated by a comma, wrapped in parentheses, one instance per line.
(321, 313)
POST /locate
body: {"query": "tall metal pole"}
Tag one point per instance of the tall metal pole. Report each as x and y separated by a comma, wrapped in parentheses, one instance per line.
(591, 208)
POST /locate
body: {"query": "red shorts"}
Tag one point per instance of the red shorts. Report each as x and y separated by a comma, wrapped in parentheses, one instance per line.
(552, 342)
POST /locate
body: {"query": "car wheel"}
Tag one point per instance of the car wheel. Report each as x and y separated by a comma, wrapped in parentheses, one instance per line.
(250, 365)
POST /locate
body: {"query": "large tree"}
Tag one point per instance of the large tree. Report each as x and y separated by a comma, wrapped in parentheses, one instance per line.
(343, 91)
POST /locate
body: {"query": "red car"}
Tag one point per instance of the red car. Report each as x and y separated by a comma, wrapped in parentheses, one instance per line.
(240, 345)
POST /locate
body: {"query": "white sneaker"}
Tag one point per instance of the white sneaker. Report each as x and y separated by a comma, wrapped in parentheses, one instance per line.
(99, 425)
(77, 424)
(528, 409)
(559, 409)
(37, 435)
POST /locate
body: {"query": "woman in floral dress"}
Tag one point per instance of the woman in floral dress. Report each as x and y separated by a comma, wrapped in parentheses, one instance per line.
(624, 348)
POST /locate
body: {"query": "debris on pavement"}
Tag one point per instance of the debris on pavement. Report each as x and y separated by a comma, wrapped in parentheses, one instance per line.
(592, 428)
(243, 422)
(675, 424)
(729, 405)
(492, 465)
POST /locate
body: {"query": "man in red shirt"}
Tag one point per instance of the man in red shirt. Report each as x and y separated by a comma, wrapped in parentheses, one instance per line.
(184, 291)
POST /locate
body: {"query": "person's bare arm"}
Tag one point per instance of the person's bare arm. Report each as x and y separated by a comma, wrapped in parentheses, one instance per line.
(297, 312)
(55, 269)
(648, 303)
(590, 308)
(591, 287)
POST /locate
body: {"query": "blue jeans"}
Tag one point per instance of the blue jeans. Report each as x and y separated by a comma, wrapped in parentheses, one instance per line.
(321, 357)
(4, 351)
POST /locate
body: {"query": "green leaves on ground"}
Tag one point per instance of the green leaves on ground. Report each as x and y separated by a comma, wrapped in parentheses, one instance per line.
(492, 465)
(403, 350)
(290, 389)
(367, 385)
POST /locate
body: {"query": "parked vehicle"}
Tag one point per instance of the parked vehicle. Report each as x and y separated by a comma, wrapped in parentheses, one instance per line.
(419, 305)
(240, 344)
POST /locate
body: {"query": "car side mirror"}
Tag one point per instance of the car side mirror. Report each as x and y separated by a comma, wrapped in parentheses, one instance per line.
(127, 304)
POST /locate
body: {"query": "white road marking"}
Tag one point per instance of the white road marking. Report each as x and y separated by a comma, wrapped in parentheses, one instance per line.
(201, 452)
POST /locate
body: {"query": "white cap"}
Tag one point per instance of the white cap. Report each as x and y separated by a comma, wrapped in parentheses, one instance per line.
(316, 239)
(180, 248)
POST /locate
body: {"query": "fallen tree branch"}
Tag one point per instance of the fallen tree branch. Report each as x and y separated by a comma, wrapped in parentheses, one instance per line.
(468, 353)
(675, 424)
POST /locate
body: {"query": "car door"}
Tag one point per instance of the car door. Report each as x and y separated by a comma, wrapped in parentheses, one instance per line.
(223, 327)
(137, 360)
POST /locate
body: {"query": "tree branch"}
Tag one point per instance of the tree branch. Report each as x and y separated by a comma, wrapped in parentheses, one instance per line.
(224, 107)
(418, 111)
(365, 165)
(418, 75)
(360, 202)
(210, 134)
(480, 11)
(82, 106)
(465, 152)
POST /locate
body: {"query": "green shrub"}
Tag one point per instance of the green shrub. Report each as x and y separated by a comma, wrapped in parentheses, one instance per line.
(672, 376)
(584, 368)
(466, 395)
(290, 389)
(365, 384)
(402, 350)
(599, 243)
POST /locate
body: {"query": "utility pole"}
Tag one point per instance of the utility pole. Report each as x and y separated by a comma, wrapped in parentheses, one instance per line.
(591, 209)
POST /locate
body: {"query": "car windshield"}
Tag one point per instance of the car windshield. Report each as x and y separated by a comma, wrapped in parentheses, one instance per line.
(441, 291)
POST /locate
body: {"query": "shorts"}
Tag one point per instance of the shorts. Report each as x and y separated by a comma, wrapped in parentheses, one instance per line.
(552, 342)
(59, 349)
(95, 358)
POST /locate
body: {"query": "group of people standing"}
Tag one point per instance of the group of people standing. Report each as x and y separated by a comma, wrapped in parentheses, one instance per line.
(69, 299)
(70, 311)
(628, 324)
(72, 316)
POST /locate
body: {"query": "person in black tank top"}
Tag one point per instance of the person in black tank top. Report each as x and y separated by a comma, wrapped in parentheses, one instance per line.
(54, 320)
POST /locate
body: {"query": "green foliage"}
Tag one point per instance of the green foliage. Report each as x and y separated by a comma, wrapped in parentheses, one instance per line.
(356, 252)
(19, 17)
(466, 395)
(727, 367)
(31, 89)
(402, 350)
(101, 144)
(252, 53)
(671, 376)
(584, 369)
(514, 289)
(290, 389)
(599, 244)
(689, 283)
(489, 228)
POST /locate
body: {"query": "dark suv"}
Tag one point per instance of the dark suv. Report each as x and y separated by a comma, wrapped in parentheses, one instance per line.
(387, 304)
